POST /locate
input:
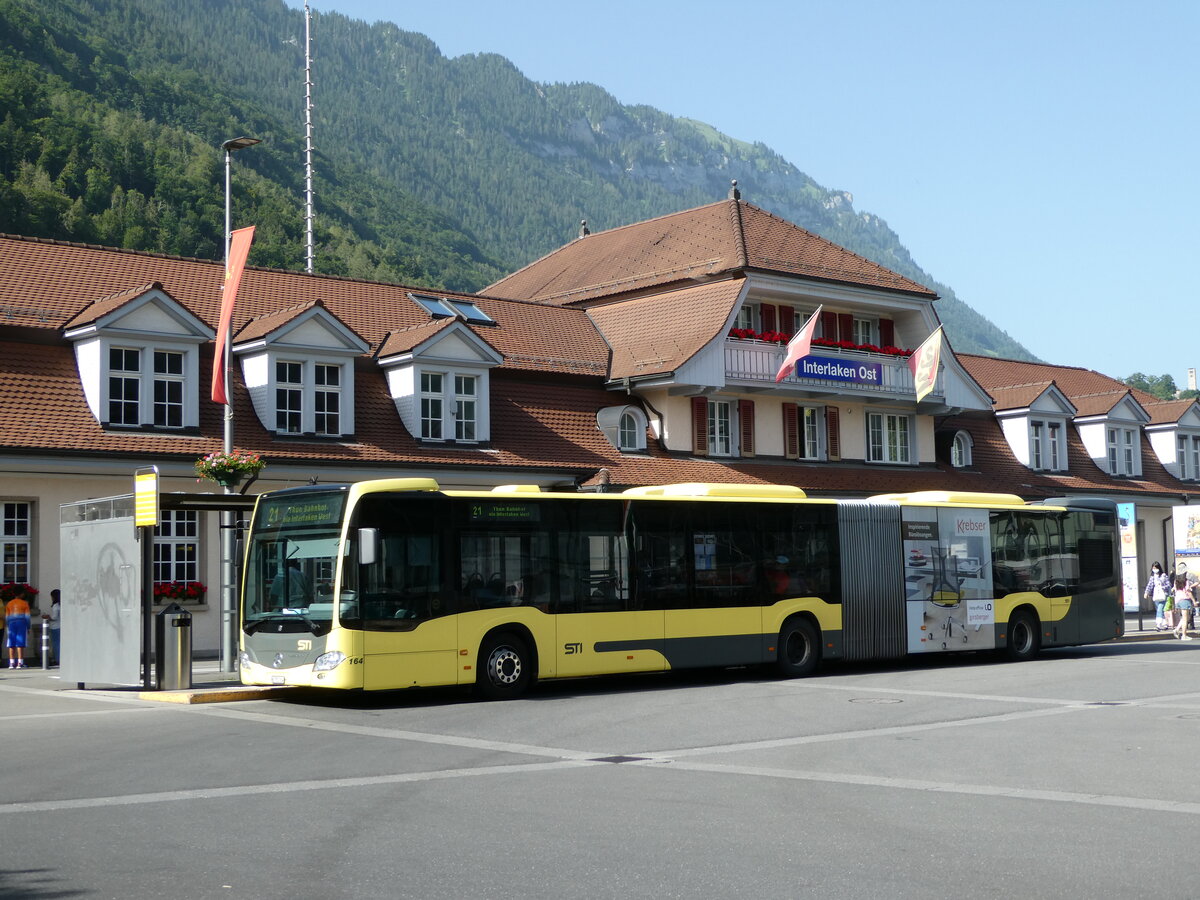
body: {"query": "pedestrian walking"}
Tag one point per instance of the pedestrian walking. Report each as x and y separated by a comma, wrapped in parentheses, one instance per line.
(1157, 590)
(1183, 605)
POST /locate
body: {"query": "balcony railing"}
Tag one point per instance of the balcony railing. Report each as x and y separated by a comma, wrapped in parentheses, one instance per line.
(832, 369)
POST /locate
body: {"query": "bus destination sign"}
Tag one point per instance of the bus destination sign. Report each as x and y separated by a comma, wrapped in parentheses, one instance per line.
(505, 512)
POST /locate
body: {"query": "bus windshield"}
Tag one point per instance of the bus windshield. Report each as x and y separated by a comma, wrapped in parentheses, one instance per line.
(292, 559)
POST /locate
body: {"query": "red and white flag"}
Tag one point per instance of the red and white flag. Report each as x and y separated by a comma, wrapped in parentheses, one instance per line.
(798, 347)
(924, 363)
(239, 249)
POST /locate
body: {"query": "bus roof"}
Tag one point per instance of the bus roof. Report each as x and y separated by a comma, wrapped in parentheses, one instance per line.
(951, 498)
(697, 489)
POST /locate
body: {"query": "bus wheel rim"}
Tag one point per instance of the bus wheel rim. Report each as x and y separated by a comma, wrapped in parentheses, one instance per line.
(504, 666)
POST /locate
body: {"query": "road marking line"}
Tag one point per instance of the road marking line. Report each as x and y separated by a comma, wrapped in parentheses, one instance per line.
(219, 793)
(397, 734)
(976, 790)
(773, 743)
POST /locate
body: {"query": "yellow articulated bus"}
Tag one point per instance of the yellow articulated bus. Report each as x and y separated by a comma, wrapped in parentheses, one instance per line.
(396, 583)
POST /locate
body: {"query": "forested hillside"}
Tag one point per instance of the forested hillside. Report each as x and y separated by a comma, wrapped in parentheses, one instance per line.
(445, 173)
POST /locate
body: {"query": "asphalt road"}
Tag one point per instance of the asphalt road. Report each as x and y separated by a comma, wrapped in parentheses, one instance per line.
(966, 778)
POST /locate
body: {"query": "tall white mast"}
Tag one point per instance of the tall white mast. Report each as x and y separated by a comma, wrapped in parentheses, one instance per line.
(309, 253)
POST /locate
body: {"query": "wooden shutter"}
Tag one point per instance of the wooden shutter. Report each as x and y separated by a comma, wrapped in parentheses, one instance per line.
(767, 313)
(787, 320)
(829, 328)
(700, 426)
(845, 327)
(833, 433)
(791, 431)
(746, 426)
(887, 333)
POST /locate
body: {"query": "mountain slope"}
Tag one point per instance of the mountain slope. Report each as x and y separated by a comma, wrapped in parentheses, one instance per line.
(443, 172)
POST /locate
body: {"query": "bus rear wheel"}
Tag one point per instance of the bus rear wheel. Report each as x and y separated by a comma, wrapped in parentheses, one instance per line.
(1023, 642)
(799, 649)
(505, 667)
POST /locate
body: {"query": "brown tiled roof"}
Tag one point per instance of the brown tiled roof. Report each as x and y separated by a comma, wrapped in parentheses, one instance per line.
(49, 283)
(728, 236)
(105, 305)
(1165, 412)
(405, 339)
(1099, 404)
(1018, 396)
(656, 335)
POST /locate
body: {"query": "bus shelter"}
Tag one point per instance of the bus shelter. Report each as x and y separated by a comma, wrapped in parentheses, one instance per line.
(106, 575)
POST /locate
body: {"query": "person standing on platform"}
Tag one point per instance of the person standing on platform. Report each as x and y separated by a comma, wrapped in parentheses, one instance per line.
(16, 631)
(51, 621)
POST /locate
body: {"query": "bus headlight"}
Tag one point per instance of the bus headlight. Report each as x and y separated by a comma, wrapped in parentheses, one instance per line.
(328, 661)
(244, 659)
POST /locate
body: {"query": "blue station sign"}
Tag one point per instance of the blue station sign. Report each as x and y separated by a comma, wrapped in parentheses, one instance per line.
(829, 369)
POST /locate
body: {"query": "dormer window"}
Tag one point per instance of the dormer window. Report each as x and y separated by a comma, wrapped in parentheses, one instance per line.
(624, 427)
(137, 397)
(320, 383)
(1046, 445)
(449, 407)
(1123, 456)
(138, 354)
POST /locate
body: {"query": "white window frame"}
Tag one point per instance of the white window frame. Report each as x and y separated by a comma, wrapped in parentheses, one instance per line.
(1124, 457)
(145, 381)
(289, 395)
(16, 541)
(720, 428)
(962, 450)
(863, 331)
(890, 438)
(809, 420)
(1187, 456)
(432, 400)
(169, 382)
(304, 390)
(627, 431)
(466, 407)
(450, 405)
(746, 317)
(177, 548)
(1047, 445)
(327, 399)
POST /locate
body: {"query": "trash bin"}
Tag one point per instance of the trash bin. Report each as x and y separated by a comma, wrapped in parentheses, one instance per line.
(173, 638)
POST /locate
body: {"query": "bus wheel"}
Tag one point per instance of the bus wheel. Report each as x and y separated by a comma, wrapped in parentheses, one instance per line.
(799, 649)
(505, 667)
(1023, 637)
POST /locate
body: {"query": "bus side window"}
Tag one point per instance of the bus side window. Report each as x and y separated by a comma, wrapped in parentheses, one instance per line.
(593, 561)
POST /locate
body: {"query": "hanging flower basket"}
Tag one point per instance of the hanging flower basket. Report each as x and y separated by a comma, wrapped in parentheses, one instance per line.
(228, 469)
(12, 590)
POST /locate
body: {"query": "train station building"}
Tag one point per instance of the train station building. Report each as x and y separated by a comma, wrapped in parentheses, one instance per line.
(643, 355)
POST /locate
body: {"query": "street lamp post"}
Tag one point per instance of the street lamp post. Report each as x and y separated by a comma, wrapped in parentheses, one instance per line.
(228, 570)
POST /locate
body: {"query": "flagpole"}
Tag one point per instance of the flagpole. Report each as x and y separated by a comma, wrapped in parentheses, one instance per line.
(228, 569)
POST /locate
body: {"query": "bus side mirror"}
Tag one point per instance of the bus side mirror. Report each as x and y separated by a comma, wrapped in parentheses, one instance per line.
(368, 546)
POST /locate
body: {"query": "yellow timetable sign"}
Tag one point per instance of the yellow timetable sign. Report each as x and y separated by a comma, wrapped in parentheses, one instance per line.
(145, 496)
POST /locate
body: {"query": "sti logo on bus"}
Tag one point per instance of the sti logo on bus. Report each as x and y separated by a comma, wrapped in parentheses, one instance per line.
(303, 644)
(572, 649)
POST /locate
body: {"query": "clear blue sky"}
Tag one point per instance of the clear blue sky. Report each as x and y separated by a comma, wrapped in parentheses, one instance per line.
(1037, 156)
